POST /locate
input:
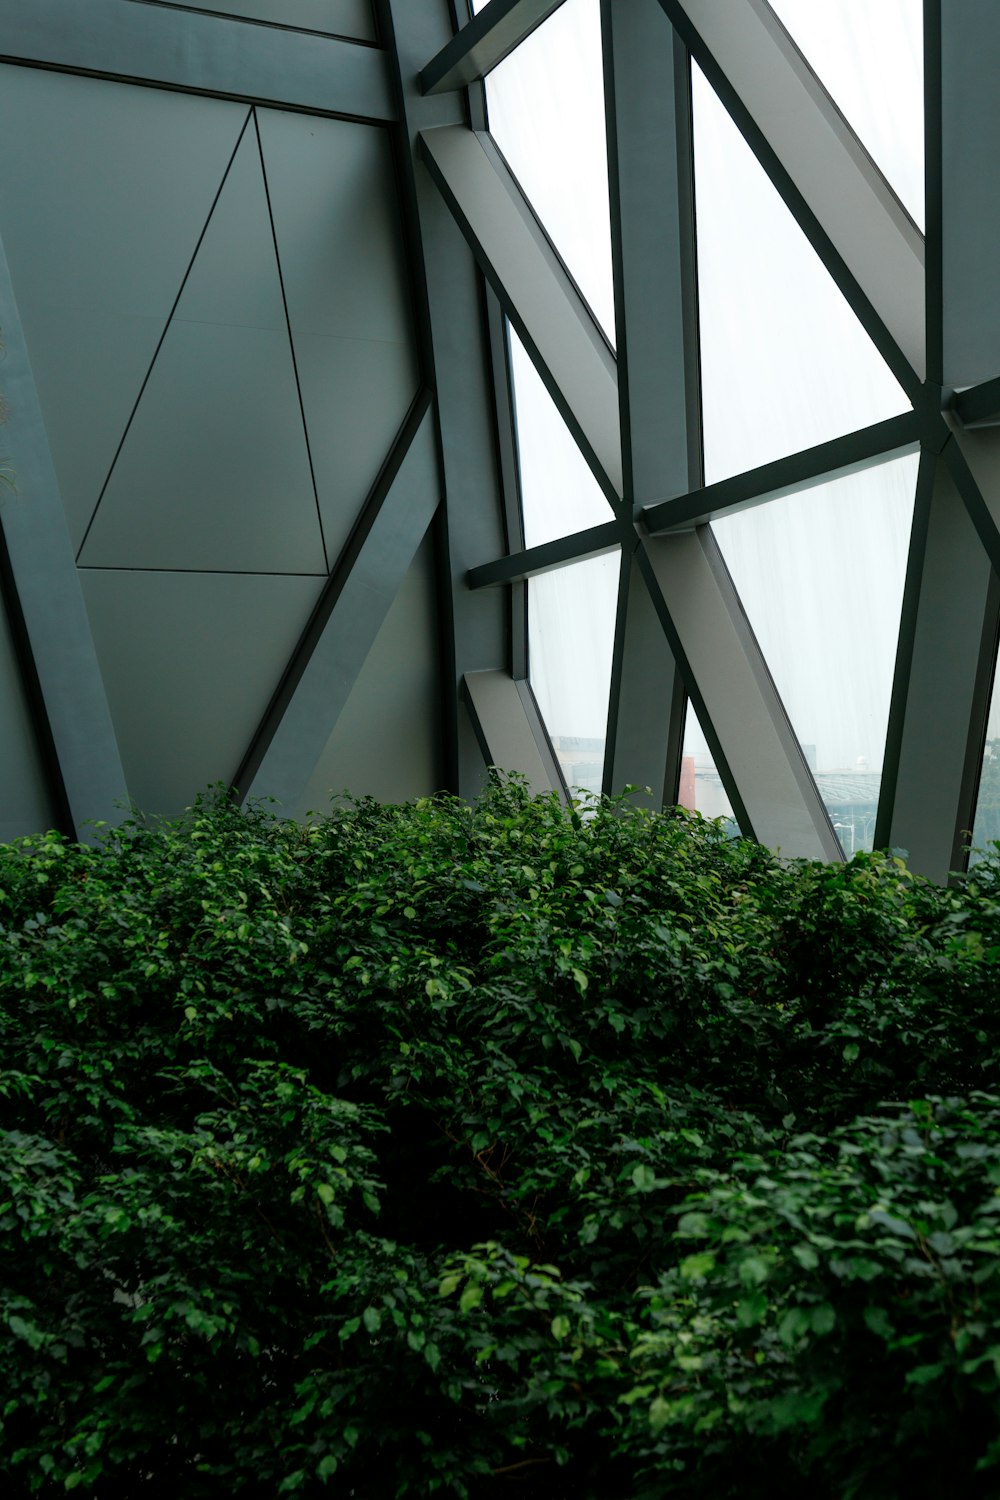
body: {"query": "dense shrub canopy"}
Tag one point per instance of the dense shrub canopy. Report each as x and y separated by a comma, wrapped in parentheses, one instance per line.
(474, 1151)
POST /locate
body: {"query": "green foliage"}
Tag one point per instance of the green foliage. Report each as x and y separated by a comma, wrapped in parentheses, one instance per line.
(449, 1150)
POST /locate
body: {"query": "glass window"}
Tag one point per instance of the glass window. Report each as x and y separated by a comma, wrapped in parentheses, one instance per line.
(820, 575)
(870, 59)
(785, 363)
(545, 104)
(571, 633)
(559, 494)
(986, 827)
(701, 787)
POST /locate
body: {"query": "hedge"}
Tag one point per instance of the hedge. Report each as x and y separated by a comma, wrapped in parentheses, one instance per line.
(583, 1153)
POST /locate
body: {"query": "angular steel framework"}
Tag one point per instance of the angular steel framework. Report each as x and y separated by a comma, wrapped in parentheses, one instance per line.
(414, 572)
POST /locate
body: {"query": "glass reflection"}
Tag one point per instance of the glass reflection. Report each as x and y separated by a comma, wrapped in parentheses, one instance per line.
(545, 104)
(571, 632)
(785, 363)
(870, 59)
(820, 575)
(559, 494)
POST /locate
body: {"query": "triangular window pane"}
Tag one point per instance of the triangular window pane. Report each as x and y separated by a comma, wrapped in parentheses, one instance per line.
(545, 106)
(869, 58)
(559, 494)
(785, 363)
(701, 788)
(986, 827)
(820, 575)
(571, 633)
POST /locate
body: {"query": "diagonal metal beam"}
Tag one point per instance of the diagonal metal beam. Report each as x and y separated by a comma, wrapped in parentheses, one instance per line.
(850, 214)
(844, 455)
(309, 700)
(756, 751)
(42, 573)
(647, 93)
(483, 43)
(509, 729)
(940, 698)
(536, 292)
(200, 53)
(594, 542)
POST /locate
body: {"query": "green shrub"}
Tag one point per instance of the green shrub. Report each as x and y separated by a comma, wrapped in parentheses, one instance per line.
(437, 1149)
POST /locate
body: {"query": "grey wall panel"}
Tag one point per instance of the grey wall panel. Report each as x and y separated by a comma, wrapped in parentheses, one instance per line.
(355, 602)
(214, 472)
(355, 394)
(188, 660)
(333, 199)
(347, 18)
(25, 804)
(387, 740)
(104, 191)
(184, 49)
(970, 189)
(333, 195)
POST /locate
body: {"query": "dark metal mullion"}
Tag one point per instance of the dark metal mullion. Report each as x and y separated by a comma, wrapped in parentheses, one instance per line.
(904, 649)
(933, 184)
(576, 547)
(483, 42)
(880, 442)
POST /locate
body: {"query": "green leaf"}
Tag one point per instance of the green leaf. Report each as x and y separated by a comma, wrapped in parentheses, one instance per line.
(697, 1267)
(560, 1326)
(644, 1178)
(372, 1319)
(470, 1298)
(752, 1309)
(823, 1318)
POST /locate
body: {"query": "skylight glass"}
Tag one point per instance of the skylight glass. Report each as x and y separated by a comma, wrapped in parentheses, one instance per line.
(820, 575)
(571, 632)
(545, 106)
(785, 363)
(559, 494)
(869, 56)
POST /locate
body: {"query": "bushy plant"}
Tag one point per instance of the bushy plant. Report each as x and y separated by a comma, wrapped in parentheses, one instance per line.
(471, 1150)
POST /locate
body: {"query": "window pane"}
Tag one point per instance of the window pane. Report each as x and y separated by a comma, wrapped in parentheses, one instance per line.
(701, 786)
(986, 827)
(559, 494)
(870, 58)
(571, 632)
(546, 113)
(785, 363)
(820, 575)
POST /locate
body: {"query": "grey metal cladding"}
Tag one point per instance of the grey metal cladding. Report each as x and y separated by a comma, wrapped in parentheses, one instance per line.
(104, 192)
(387, 739)
(206, 54)
(188, 660)
(332, 193)
(346, 18)
(26, 805)
(214, 473)
(970, 190)
(362, 599)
